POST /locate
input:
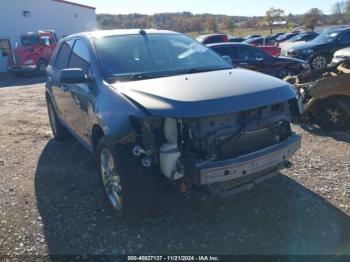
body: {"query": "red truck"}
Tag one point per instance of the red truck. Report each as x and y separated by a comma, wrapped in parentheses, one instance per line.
(34, 52)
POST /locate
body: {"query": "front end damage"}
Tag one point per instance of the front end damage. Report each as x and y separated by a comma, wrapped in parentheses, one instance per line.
(223, 154)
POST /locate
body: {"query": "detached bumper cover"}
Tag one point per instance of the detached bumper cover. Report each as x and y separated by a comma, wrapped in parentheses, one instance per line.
(247, 165)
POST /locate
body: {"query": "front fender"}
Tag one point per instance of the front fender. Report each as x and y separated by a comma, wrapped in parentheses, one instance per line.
(112, 113)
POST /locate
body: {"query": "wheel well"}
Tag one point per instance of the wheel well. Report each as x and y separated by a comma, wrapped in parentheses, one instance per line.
(96, 135)
(42, 59)
(327, 55)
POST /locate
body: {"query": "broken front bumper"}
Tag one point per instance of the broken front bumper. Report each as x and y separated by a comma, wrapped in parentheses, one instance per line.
(247, 165)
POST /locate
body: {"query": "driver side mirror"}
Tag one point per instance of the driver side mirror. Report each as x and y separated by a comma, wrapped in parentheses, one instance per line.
(72, 76)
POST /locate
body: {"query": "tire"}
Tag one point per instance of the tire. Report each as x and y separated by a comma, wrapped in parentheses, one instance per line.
(59, 131)
(285, 73)
(41, 67)
(319, 62)
(333, 116)
(130, 188)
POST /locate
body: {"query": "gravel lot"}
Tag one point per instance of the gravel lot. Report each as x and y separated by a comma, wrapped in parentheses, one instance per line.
(51, 201)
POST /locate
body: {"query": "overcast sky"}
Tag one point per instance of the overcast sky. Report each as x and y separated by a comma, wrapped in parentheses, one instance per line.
(228, 7)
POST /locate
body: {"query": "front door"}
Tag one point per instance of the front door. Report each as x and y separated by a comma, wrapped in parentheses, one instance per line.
(81, 95)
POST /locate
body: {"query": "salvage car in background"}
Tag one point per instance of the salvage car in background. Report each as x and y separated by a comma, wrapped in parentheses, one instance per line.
(212, 38)
(319, 52)
(253, 58)
(341, 55)
(152, 104)
(325, 96)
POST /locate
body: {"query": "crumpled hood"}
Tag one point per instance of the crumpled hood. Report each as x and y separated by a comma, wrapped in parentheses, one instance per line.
(205, 94)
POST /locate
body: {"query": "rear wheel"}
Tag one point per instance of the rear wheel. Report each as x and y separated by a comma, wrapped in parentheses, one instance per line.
(319, 62)
(130, 188)
(333, 115)
(59, 131)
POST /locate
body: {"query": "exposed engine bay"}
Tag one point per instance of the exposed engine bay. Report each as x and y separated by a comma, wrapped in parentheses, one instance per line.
(181, 146)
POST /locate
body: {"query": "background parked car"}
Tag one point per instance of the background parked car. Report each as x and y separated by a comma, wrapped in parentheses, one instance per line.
(341, 55)
(319, 52)
(250, 57)
(212, 38)
(296, 40)
(261, 41)
(285, 37)
(277, 35)
(306, 37)
(268, 44)
(236, 39)
(251, 36)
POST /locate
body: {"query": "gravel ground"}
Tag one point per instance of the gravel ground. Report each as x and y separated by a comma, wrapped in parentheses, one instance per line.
(51, 201)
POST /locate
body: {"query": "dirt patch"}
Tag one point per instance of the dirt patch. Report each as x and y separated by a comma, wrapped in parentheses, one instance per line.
(51, 201)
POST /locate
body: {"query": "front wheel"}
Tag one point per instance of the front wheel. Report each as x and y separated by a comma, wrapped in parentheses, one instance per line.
(41, 67)
(319, 62)
(129, 187)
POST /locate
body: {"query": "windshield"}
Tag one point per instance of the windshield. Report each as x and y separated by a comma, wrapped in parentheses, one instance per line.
(295, 38)
(155, 55)
(327, 36)
(29, 40)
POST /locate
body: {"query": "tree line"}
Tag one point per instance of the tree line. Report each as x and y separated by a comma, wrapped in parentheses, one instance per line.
(187, 22)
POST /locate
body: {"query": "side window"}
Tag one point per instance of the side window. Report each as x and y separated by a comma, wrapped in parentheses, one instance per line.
(226, 50)
(45, 41)
(62, 57)
(248, 53)
(345, 38)
(80, 57)
(5, 47)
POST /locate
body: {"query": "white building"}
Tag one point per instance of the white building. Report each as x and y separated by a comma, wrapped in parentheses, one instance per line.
(22, 16)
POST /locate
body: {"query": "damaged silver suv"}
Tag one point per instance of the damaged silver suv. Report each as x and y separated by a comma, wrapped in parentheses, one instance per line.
(153, 104)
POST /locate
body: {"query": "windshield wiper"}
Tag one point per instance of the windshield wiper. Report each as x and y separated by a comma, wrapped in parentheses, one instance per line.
(140, 76)
(134, 77)
(206, 69)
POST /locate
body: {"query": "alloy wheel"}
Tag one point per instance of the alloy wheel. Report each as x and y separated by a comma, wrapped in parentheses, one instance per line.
(111, 179)
(319, 62)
